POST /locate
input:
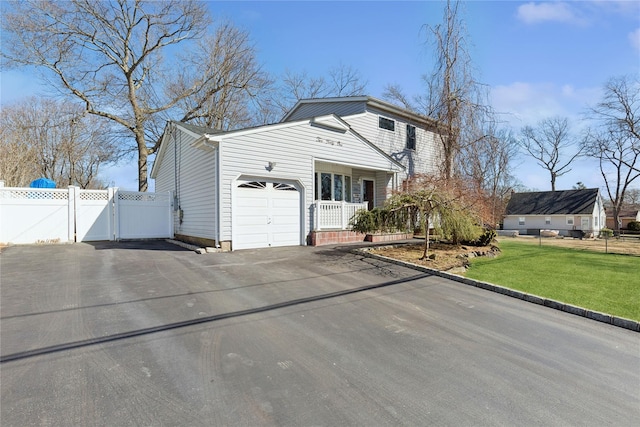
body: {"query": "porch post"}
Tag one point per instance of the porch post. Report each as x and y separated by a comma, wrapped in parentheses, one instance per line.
(343, 209)
(316, 216)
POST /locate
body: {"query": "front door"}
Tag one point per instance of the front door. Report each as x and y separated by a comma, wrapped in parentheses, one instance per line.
(584, 223)
(368, 193)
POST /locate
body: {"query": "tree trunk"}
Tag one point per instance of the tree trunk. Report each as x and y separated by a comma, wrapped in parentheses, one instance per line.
(143, 153)
(425, 225)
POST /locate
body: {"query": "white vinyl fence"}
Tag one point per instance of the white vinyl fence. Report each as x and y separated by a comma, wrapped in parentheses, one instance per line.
(42, 215)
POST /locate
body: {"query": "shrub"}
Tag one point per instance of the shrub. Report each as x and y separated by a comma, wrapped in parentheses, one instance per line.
(363, 221)
(633, 226)
(606, 232)
(485, 239)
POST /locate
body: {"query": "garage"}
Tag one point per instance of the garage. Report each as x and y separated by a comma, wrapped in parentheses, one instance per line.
(267, 214)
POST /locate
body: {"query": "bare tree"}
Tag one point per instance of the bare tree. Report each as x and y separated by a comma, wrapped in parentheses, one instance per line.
(235, 80)
(615, 141)
(18, 166)
(45, 138)
(551, 144)
(344, 80)
(453, 97)
(632, 198)
(395, 93)
(108, 54)
(487, 163)
(341, 80)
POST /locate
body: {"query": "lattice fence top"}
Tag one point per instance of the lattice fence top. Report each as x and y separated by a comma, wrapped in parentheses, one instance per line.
(94, 195)
(34, 194)
(141, 196)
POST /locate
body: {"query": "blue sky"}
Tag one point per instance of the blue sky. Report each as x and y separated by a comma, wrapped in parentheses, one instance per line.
(539, 58)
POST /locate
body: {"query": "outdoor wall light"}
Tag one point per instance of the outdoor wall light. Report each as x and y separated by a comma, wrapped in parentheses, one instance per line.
(271, 166)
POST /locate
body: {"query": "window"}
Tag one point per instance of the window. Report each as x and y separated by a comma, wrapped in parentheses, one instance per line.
(384, 123)
(521, 220)
(569, 220)
(595, 221)
(253, 184)
(335, 187)
(411, 137)
(547, 220)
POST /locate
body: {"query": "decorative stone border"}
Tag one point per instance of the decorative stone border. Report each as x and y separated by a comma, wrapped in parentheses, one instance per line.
(557, 305)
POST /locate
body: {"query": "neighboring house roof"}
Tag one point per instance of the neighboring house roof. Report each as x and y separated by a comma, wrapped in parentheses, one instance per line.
(369, 102)
(627, 213)
(567, 202)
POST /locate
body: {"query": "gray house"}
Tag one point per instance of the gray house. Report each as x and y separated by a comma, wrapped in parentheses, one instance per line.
(296, 182)
(566, 211)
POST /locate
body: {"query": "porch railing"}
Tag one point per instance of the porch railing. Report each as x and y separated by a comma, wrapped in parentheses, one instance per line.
(334, 215)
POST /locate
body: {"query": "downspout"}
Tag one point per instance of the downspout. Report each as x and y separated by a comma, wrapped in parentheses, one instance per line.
(219, 195)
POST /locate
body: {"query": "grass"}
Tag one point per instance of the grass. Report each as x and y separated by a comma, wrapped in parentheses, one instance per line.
(607, 283)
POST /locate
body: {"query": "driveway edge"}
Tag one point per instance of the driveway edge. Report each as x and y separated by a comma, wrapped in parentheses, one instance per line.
(557, 305)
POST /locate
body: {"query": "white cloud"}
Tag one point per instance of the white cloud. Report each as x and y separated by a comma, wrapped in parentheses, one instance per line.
(534, 13)
(521, 103)
(634, 38)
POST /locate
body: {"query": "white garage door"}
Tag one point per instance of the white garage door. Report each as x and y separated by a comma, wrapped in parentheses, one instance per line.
(266, 214)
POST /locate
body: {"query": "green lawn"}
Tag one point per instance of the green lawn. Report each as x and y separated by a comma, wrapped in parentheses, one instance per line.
(607, 283)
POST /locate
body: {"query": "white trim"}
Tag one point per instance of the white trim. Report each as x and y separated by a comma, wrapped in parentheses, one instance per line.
(356, 165)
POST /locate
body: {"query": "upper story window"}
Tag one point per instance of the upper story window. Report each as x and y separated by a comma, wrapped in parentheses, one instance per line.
(411, 137)
(384, 123)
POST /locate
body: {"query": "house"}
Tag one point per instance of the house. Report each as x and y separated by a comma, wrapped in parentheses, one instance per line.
(407, 137)
(567, 211)
(625, 216)
(295, 182)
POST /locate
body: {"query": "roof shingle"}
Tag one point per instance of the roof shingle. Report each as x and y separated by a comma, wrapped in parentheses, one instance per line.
(566, 202)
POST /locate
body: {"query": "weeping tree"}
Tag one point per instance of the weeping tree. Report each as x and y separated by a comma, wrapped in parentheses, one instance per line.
(427, 203)
(453, 97)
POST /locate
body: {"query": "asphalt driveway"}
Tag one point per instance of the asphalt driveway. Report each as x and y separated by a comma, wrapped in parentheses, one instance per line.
(147, 333)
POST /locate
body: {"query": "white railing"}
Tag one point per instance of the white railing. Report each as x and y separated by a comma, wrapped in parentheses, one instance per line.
(334, 215)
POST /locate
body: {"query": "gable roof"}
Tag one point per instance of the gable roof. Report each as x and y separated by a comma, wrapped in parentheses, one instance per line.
(566, 202)
(369, 101)
(204, 134)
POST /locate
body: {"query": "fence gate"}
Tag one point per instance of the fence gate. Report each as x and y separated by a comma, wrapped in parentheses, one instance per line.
(143, 215)
(42, 215)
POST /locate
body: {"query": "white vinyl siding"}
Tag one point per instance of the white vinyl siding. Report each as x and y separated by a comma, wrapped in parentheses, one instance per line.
(423, 160)
(293, 148)
(196, 189)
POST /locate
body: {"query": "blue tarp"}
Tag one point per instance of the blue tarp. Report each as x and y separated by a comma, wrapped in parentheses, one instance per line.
(43, 183)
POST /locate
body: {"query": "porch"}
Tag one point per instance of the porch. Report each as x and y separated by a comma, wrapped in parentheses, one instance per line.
(330, 215)
(330, 223)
